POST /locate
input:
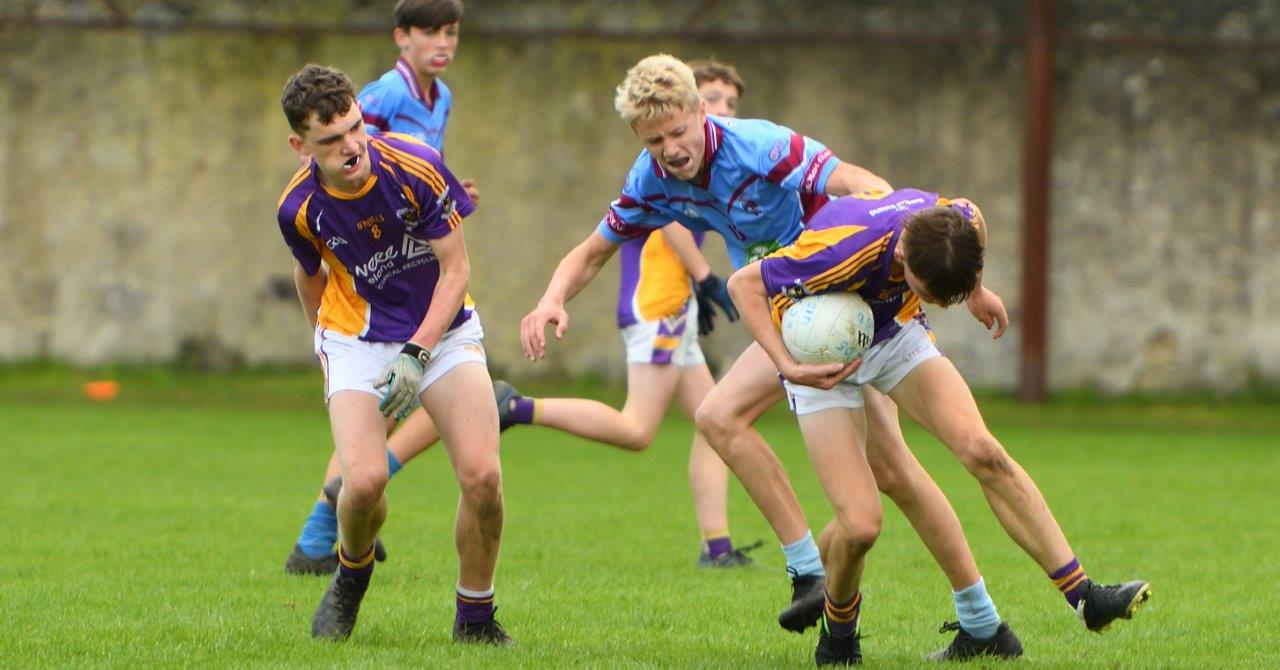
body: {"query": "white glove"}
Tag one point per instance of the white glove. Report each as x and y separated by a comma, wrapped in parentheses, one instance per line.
(400, 379)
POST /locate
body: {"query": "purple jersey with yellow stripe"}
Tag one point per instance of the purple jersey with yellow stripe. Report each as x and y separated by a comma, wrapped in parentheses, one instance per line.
(848, 246)
(655, 283)
(376, 243)
(760, 183)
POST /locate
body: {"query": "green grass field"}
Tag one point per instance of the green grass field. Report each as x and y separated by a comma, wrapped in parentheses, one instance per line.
(152, 530)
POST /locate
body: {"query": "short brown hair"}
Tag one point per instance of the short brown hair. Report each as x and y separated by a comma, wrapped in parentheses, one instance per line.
(315, 88)
(427, 14)
(711, 70)
(944, 251)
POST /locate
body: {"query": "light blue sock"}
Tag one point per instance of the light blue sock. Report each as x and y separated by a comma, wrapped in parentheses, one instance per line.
(976, 611)
(320, 531)
(802, 557)
(393, 464)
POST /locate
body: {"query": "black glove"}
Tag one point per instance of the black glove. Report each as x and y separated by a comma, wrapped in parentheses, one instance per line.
(712, 291)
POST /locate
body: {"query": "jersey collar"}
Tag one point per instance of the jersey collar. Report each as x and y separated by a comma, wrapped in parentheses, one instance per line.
(427, 98)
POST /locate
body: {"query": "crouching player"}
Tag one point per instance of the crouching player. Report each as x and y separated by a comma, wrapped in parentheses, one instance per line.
(897, 250)
(384, 215)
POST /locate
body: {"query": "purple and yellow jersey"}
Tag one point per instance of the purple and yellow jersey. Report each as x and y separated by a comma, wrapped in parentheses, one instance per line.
(848, 246)
(760, 184)
(396, 103)
(376, 243)
(654, 283)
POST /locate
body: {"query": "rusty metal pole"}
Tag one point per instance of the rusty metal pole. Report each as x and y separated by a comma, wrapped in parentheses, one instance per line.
(1037, 154)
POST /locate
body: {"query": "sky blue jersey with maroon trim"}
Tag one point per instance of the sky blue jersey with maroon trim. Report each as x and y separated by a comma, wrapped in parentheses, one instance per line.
(760, 185)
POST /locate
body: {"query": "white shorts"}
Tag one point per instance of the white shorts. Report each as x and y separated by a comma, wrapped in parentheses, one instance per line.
(669, 340)
(884, 366)
(351, 364)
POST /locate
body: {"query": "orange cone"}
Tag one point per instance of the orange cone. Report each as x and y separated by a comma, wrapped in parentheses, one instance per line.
(102, 390)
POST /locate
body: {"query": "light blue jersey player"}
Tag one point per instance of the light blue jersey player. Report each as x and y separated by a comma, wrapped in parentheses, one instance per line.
(755, 183)
(397, 102)
(662, 309)
(759, 184)
(412, 98)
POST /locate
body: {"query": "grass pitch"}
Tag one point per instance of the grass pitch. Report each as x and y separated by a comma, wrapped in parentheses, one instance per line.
(152, 531)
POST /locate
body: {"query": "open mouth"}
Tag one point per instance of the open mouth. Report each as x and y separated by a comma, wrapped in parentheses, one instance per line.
(351, 164)
(678, 163)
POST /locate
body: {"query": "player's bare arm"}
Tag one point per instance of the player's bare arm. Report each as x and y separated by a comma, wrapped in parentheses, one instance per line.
(574, 272)
(310, 289)
(747, 288)
(847, 179)
(983, 303)
(682, 242)
(402, 375)
(451, 289)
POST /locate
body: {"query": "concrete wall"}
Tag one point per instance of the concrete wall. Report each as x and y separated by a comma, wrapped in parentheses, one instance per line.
(141, 169)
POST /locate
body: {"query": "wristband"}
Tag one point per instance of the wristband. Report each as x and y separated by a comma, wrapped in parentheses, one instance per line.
(417, 352)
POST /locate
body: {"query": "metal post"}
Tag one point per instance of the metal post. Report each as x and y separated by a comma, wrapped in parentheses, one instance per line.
(1036, 159)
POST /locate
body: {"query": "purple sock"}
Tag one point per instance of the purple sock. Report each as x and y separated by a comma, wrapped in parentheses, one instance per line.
(719, 546)
(522, 410)
(842, 617)
(1070, 580)
(473, 606)
(361, 569)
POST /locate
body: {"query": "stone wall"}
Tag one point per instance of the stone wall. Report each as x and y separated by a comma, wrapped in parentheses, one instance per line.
(142, 168)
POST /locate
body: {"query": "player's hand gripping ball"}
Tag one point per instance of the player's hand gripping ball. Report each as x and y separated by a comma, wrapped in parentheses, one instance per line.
(828, 328)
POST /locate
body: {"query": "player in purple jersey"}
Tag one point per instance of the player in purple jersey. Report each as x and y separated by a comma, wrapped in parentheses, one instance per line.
(657, 315)
(896, 250)
(410, 99)
(381, 270)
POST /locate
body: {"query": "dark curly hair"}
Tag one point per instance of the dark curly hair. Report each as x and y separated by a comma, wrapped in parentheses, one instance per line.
(324, 90)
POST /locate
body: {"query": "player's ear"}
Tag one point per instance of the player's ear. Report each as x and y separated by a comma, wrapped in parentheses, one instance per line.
(402, 37)
(296, 142)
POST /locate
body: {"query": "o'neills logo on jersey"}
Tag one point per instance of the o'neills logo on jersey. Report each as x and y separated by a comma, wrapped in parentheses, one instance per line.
(371, 224)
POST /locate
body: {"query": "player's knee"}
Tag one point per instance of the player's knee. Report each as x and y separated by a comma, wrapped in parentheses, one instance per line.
(858, 533)
(716, 422)
(364, 488)
(636, 437)
(481, 485)
(983, 456)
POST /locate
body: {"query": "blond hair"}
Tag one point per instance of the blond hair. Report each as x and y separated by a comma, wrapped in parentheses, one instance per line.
(656, 88)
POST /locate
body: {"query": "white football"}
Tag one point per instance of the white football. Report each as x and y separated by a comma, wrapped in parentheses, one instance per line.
(828, 328)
